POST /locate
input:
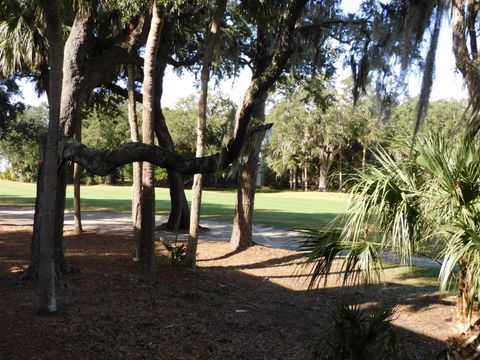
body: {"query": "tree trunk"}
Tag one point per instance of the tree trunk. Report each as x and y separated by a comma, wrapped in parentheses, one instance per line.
(70, 95)
(147, 230)
(111, 178)
(212, 39)
(340, 173)
(179, 217)
(464, 296)
(77, 174)
(305, 176)
(32, 272)
(242, 236)
(466, 57)
(47, 297)
(137, 166)
(322, 177)
(326, 159)
(295, 178)
(291, 179)
(364, 157)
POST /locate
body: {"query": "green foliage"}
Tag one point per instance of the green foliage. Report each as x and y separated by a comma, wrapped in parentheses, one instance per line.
(182, 122)
(19, 145)
(9, 108)
(411, 206)
(178, 250)
(359, 334)
(307, 133)
(444, 116)
(105, 126)
(23, 45)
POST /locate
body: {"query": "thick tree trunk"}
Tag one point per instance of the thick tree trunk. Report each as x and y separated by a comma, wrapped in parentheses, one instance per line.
(212, 39)
(322, 177)
(242, 236)
(70, 97)
(326, 159)
(32, 271)
(47, 297)
(77, 174)
(466, 57)
(464, 296)
(179, 217)
(147, 230)
(111, 178)
(137, 166)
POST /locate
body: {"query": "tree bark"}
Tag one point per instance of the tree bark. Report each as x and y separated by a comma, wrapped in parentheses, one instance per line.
(77, 174)
(147, 230)
(137, 166)
(212, 40)
(291, 179)
(364, 157)
(32, 271)
(242, 236)
(467, 58)
(340, 173)
(326, 159)
(47, 298)
(69, 95)
(305, 176)
(179, 217)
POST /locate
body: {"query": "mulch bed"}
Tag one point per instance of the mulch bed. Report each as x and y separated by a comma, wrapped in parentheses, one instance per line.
(249, 305)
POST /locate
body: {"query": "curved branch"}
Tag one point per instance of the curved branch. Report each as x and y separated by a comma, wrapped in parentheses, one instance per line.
(104, 162)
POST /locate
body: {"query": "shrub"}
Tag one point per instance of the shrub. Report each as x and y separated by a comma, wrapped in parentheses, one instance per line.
(359, 334)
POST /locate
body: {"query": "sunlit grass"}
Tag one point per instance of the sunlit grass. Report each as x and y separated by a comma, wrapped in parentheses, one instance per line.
(285, 209)
(411, 275)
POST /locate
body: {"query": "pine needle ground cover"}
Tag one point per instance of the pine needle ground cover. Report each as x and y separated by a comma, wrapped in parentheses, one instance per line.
(251, 305)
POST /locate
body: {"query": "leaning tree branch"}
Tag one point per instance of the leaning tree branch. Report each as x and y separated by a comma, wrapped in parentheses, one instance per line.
(328, 24)
(265, 79)
(104, 162)
(186, 62)
(118, 90)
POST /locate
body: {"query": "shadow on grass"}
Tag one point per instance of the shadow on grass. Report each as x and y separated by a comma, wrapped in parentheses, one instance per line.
(264, 217)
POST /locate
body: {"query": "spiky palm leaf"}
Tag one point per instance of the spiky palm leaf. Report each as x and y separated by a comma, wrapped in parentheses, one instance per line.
(408, 204)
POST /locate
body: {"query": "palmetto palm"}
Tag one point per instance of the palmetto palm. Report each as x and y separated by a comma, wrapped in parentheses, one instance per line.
(406, 207)
(23, 45)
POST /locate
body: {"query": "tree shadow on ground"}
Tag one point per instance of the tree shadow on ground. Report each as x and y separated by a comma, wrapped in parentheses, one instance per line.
(226, 309)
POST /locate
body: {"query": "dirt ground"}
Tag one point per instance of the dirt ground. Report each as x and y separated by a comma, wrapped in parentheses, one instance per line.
(250, 305)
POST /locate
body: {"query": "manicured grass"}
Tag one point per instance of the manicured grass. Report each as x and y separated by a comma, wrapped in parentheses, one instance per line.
(285, 209)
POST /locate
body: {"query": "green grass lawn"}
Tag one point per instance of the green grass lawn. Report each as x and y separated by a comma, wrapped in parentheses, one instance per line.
(286, 209)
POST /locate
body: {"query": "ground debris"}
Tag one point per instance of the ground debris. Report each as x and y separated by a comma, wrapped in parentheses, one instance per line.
(249, 305)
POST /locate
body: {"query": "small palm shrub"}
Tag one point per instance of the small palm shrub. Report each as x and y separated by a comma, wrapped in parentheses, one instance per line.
(358, 334)
(177, 250)
(430, 201)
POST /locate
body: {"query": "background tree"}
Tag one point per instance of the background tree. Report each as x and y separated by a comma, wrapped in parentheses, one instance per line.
(19, 144)
(465, 24)
(212, 38)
